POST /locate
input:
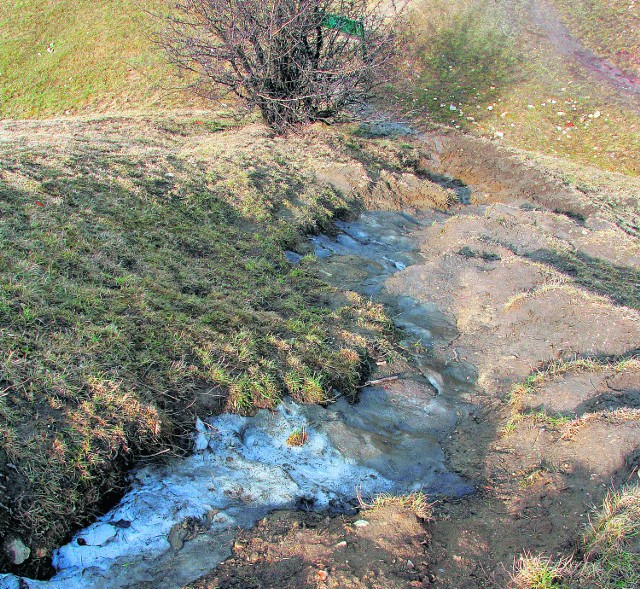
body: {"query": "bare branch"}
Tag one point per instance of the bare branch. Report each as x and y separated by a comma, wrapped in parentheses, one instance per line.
(296, 60)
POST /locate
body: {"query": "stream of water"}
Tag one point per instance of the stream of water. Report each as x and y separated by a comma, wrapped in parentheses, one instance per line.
(179, 520)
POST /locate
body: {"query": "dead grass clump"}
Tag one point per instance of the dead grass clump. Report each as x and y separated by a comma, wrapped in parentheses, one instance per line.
(416, 501)
(298, 438)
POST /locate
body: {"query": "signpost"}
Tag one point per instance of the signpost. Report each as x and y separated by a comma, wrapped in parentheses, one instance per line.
(344, 24)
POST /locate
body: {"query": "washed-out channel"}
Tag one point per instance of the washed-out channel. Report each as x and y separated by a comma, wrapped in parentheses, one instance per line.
(178, 520)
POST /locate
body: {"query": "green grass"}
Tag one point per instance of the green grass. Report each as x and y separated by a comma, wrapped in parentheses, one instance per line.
(610, 28)
(478, 67)
(143, 282)
(69, 56)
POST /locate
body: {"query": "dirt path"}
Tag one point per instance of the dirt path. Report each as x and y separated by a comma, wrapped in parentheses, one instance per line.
(547, 18)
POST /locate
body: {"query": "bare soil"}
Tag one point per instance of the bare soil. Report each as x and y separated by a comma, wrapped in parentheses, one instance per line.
(294, 550)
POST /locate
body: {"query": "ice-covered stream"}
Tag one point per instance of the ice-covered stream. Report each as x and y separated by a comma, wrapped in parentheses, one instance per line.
(179, 520)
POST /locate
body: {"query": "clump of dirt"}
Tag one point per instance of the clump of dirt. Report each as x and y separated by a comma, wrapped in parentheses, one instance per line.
(376, 549)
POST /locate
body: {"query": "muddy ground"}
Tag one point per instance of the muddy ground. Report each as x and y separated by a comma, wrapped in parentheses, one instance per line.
(530, 276)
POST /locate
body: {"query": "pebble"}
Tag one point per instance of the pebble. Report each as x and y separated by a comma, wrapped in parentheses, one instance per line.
(361, 523)
(16, 550)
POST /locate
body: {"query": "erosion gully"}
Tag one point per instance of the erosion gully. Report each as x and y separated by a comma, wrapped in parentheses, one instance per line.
(178, 520)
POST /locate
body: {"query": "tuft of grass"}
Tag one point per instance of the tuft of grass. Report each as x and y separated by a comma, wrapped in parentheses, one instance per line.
(298, 438)
(610, 544)
(467, 252)
(416, 501)
(538, 572)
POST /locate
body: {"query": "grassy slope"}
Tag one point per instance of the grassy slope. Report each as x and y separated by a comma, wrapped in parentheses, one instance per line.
(483, 67)
(71, 55)
(610, 28)
(142, 282)
(485, 59)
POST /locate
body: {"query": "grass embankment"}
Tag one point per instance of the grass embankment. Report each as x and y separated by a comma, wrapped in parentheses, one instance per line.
(71, 56)
(143, 281)
(486, 68)
(610, 28)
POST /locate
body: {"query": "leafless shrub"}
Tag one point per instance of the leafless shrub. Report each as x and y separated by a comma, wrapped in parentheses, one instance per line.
(298, 61)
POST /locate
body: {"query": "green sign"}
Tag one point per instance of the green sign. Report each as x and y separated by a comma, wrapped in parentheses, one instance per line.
(344, 24)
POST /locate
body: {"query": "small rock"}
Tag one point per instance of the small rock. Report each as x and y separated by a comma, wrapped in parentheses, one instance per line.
(292, 257)
(342, 544)
(177, 536)
(201, 442)
(211, 514)
(410, 565)
(16, 550)
(361, 523)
